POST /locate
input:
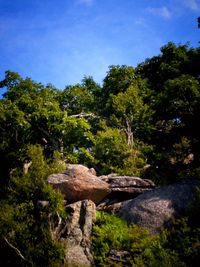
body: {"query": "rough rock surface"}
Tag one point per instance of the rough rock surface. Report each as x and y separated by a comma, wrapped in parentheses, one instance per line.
(119, 255)
(77, 236)
(123, 188)
(155, 209)
(110, 205)
(127, 181)
(78, 183)
(128, 184)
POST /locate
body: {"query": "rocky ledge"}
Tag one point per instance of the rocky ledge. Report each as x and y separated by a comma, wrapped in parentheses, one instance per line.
(123, 188)
(136, 200)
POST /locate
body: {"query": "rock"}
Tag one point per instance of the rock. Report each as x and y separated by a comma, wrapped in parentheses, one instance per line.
(123, 188)
(155, 209)
(128, 181)
(77, 234)
(74, 170)
(78, 183)
(128, 184)
(111, 206)
(119, 255)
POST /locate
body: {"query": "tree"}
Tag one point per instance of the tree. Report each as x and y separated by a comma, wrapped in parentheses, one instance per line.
(112, 153)
(81, 98)
(171, 63)
(33, 114)
(117, 80)
(173, 78)
(110, 149)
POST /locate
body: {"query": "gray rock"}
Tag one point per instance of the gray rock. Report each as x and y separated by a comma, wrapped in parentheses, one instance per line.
(119, 255)
(123, 188)
(111, 206)
(156, 208)
(128, 181)
(77, 234)
(128, 184)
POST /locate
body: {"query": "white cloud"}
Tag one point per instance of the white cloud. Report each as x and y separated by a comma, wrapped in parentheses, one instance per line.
(160, 11)
(192, 4)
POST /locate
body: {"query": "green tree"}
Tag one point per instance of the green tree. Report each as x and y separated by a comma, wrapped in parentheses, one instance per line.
(173, 77)
(117, 80)
(32, 114)
(80, 98)
(110, 149)
(130, 113)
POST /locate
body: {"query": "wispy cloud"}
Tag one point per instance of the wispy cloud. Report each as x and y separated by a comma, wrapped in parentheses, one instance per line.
(163, 11)
(140, 22)
(192, 4)
(85, 2)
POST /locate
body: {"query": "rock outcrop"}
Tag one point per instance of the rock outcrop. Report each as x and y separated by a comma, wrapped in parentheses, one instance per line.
(77, 234)
(123, 188)
(79, 183)
(156, 209)
(128, 184)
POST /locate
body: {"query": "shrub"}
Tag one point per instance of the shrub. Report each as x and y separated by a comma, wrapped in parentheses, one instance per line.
(145, 249)
(25, 232)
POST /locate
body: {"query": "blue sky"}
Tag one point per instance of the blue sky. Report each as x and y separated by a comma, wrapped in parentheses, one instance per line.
(60, 41)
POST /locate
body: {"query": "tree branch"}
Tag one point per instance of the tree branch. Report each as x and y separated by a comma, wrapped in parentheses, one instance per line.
(16, 249)
(55, 228)
(84, 115)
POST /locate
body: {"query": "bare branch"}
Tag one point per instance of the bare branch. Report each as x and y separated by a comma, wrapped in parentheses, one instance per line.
(55, 227)
(16, 249)
(84, 115)
(26, 166)
(129, 134)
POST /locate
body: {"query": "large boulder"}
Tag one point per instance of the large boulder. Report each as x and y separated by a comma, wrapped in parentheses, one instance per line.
(78, 183)
(155, 209)
(76, 235)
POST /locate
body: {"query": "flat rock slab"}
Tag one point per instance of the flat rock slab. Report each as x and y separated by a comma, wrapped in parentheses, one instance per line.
(123, 188)
(128, 181)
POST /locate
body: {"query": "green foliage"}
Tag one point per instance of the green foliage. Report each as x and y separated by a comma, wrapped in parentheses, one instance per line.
(184, 241)
(113, 153)
(24, 226)
(173, 78)
(156, 104)
(118, 79)
(77, 99)
(110, 149)
(145, 249)
(81, 98)
(193, 210)
(108, 232)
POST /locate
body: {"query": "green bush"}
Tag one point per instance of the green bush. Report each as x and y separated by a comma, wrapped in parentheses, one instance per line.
(184, 240)
(25, 232)
(145, 249)
(183, 236)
